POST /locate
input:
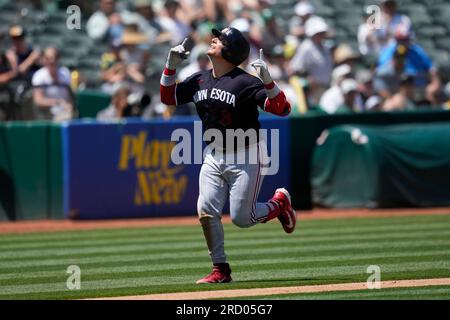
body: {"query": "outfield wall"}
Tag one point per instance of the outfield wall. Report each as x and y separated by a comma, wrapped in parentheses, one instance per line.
(119, 170)
(306, 130)
(30, 170)
(38, 160)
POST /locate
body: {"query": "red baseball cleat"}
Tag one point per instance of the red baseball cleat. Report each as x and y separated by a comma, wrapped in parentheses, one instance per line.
(220, 274)
(288, 218)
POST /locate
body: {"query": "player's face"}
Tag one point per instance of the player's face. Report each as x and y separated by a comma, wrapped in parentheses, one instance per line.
(215, 48)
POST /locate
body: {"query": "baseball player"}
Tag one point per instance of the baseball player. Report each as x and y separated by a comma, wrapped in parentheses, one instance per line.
(242, 94)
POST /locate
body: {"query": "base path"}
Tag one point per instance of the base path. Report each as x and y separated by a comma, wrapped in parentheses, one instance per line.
(68, 225)
(283, 290)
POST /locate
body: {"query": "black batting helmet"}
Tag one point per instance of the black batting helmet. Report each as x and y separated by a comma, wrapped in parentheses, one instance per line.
(236, 47)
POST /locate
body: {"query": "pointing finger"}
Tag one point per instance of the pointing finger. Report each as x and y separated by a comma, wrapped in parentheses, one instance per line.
(261, 54)
(184, 42)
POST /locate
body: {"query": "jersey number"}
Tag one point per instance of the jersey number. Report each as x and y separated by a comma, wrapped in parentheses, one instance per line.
(225, 118)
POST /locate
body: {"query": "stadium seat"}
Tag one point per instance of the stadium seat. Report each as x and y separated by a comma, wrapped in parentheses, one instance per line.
(45, 41)
(69, 62)
(427, 44)
(57, 18)
(430, 20)
(91, 76)
(440, 57)
(89, 62)
(431, 31)
(443, 42)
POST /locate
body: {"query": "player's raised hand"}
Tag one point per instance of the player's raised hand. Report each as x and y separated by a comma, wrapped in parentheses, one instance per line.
(176, 55)
(261, 68)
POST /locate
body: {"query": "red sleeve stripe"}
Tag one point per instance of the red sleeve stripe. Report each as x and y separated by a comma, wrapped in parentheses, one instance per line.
(167, 80)
(278, 105)
(167, 87)
(272, 92)
(169, 72)
(269, 85)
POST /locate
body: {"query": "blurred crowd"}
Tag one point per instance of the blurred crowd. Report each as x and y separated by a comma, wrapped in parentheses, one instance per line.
(387, 71)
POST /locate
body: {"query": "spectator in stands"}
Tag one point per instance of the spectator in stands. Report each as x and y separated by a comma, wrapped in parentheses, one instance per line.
(106, 23)
(416, 63)
(145, 9)
(314, 58)
(344, 54)
(146, 19)
(387, 76)
(171, 23)
(245, 27)
(23, 56)
(446, 104)
(391, 21)
(374, 103)
(333, 97)
(219, 11)
(368, 41)
(365, 84)
(119, 103)
(126, 62)
(277, 62)
(349, 89)
(303, 11)
(113, 69)
(404, 99)
(134, 56)
(271, 34)
(7, 71)
(51, 89)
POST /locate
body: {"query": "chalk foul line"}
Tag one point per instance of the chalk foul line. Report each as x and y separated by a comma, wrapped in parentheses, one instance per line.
(234, 293)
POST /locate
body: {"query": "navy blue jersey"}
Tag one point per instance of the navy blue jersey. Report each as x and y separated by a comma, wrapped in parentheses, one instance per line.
(228, 102)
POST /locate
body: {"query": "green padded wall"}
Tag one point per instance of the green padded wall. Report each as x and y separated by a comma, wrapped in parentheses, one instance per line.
(307, 128)
(25, 145)
(7, 189)
(382, 167)
(89, 103)
(30, 170)
(55, 173)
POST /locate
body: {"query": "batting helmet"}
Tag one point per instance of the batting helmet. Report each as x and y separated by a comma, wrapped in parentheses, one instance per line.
(236, 47)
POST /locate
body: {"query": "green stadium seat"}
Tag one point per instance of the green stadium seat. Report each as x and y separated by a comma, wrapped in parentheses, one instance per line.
(45, 41)
(7, 19)
(443, 42)
(91, 102)
(89, 62)
(58, 18)
(421, 19)
(431, 31)
(91, 76)
(440, 57)
(69, 62)
(98, 49)
(427, 44)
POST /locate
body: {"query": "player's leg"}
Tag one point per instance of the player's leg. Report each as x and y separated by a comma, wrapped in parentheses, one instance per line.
(212, 197)
(245, 182)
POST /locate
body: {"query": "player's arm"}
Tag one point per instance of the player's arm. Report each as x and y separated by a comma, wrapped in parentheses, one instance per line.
(276, 101)
(168, 77)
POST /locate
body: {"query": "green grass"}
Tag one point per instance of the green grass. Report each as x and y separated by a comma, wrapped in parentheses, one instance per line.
(170, 259)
